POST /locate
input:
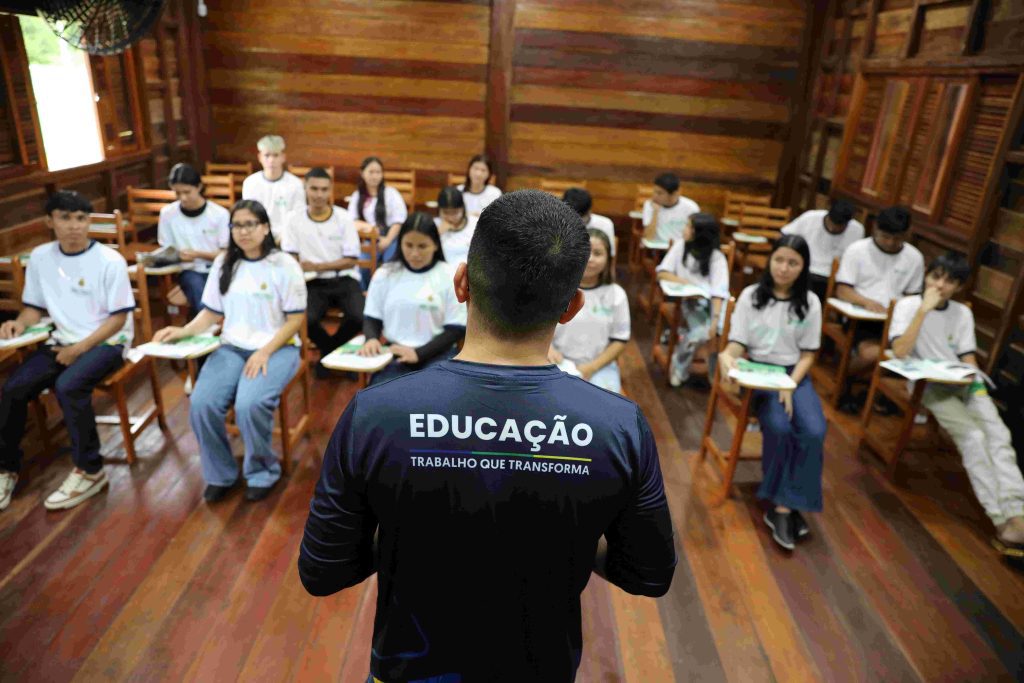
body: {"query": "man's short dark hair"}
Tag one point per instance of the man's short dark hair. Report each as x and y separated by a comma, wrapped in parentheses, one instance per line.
(893, 220)
(668, 182)
(317, 172)
(952, 264)
(840, 212)
(526, 261)
(579, 199)
(67, 200)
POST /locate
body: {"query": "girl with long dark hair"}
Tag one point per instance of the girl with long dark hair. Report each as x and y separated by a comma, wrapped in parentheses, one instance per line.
(476, 191)
(778, 322)
(369, 211)
(411, 302)
(454, 224)
(258, 294)
(696, 260)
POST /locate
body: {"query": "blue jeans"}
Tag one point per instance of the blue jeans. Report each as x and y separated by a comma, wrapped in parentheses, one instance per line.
(792, 450)
(222, 384)
(192, 285)
(73, 386)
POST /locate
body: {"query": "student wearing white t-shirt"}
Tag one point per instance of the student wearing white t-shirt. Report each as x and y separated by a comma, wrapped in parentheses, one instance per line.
(455, 225)
(411, 302)
(666, 213)
(83, 287)
(828, 234)
(476, 192)
(778, 322)
(258, 295)
(324, 240)
(595, 338)
(934, 327)
(369, 212)
(195, 227)
(279, 191)
(875, 271)
(580, 200)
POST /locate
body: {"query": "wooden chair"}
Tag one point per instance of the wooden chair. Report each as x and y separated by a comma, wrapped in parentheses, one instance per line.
(759, 221)
(289, 433)
(240, 171)
(12, 283)
(405, 182)
(643, 194)
(460, 179)
(144, 210)
(670, 318)
(220, 189)
(557, 187)
(108, 228)
(744, 445)
(116, 383)
(734, 203)
(369, 249)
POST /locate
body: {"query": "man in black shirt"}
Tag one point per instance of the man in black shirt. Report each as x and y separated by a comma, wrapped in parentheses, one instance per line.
(490, 479)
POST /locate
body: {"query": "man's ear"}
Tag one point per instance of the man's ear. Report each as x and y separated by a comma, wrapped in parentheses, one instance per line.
(48, 221)
(575, 304)
(461, 281)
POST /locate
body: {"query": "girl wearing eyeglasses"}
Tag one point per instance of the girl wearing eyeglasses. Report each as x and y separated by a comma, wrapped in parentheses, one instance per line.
(258, 294)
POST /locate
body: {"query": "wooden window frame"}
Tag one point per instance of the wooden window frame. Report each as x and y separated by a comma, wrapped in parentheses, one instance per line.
(106, 111)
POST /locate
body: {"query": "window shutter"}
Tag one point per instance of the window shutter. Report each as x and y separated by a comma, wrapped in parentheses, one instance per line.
(20, 121)
(113, 80)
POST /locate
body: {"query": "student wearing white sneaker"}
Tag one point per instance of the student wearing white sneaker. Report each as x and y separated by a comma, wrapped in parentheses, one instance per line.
(258, 294)
(84, 287)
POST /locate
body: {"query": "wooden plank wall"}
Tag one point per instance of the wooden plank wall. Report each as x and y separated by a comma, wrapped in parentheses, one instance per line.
(616, 92)
(342, 80)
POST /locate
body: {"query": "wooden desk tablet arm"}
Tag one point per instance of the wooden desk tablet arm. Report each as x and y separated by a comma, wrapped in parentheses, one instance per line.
(848, 293)
(27, 317)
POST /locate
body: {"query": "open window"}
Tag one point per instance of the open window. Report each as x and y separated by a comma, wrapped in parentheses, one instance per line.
(944, 130)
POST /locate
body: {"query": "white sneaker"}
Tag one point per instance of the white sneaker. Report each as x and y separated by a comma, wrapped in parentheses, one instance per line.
(76, 489)
(7, 482)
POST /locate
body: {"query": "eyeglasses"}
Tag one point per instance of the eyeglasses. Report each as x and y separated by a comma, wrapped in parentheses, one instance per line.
(245, 227)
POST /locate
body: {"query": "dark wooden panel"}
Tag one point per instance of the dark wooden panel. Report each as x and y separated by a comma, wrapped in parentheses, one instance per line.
(610, 118)
(337, 103)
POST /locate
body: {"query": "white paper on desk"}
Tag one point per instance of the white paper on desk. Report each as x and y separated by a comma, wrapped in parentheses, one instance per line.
(854, 311)
(567, 366)
(772, 380)
(687, 291)
(345, 357)
(654, 244)
(933, 370)
(31, 335)
(185, 348)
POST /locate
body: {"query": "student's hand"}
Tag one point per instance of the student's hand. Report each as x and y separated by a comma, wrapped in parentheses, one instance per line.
(69, 354)
(371, 347)
(11, 329)
(727, 363)
(554, 355)
(786, 399)
(405, 354)
(256, 364)
(931, 299)
(586, 371)
(309, 266)
(875, 307)
(188, 254)
(169, 334)
(444, 227)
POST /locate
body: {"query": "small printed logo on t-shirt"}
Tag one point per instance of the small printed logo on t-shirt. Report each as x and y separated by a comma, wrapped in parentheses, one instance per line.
(605, 311)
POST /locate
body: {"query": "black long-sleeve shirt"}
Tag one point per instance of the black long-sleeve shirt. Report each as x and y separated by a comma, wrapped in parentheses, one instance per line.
(489, 488)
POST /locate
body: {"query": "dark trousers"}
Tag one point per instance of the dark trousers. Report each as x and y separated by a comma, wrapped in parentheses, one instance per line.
(192, 285)
(73, 386)
(819, 285)
(339, 292)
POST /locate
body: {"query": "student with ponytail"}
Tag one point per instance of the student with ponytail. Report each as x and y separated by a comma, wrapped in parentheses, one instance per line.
(367, 209)
(258, 294)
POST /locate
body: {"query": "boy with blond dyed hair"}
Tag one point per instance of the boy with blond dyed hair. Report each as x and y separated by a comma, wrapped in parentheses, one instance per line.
(275, 188)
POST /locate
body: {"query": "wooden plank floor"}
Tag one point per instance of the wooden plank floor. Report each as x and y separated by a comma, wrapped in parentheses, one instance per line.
(146, 582)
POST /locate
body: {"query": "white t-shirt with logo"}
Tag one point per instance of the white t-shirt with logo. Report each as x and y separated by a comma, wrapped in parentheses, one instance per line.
(261, 295)
(476, 203)
(208, 231)
(878, 275)
(605, 225)
(279, 197)
(946, 334)
(775, 334)
(671, 220)
(604, 318)
(824, 245)
(80, 291)
(455, 243)
(414, 307)
(677, 262)
(331, 239)
(395, 210)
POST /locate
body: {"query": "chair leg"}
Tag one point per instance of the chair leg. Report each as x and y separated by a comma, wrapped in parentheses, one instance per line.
(42, 422)
(709, 419)
(286, 454)
(125, 422)
(158, 397)
(906, 428)
(735, 448)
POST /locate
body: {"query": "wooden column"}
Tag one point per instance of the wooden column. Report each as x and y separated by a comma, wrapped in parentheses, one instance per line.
(499, 86)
